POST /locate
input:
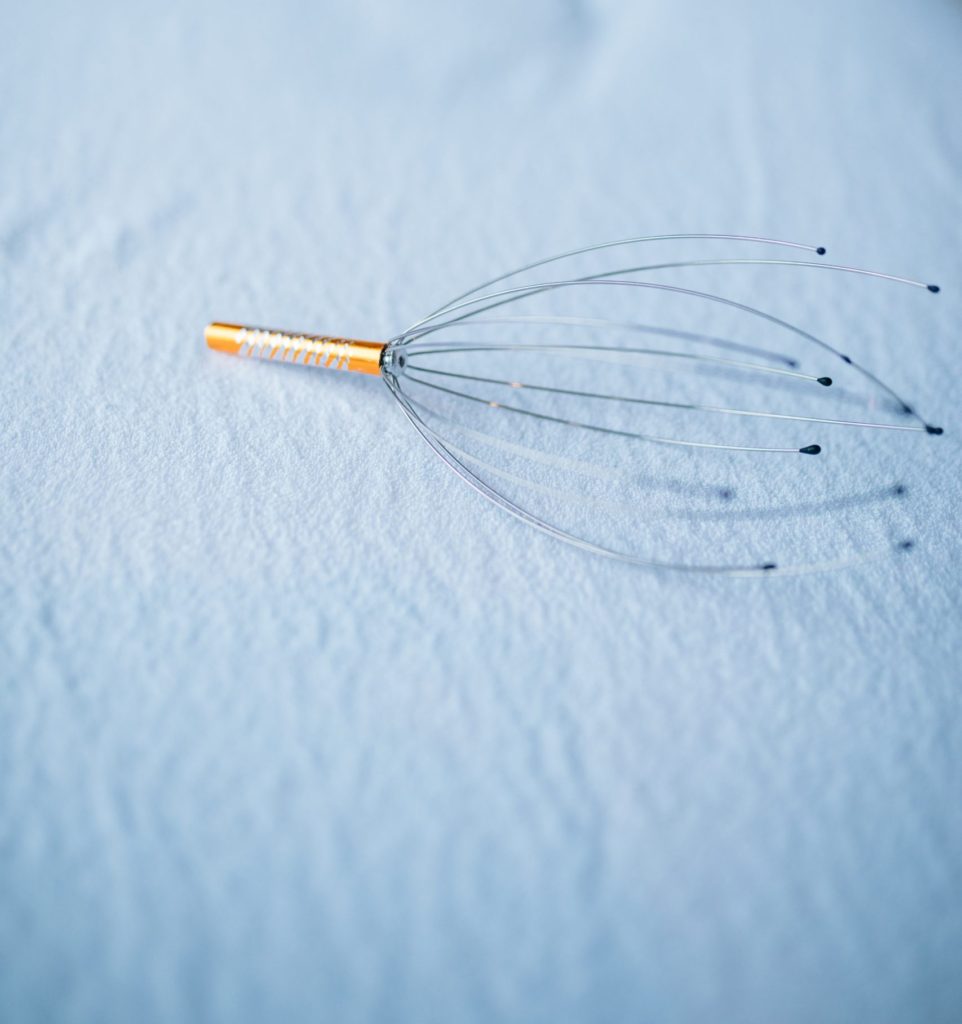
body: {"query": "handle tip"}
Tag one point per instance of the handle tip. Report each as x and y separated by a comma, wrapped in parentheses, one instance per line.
(223, 337)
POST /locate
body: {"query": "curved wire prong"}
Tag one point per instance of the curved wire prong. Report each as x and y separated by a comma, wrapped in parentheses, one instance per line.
(681, 264)
(609, 353)
(809, 449)
(663, 403)
(819, 250)
(838, 267)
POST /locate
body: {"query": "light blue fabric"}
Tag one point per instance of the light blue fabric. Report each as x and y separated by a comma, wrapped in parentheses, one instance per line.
(293, 725)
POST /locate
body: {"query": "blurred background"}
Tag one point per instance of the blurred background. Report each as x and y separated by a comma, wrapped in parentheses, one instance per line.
(294, 725)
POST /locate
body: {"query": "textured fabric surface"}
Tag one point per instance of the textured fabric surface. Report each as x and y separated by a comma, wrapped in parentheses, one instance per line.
(295, 726)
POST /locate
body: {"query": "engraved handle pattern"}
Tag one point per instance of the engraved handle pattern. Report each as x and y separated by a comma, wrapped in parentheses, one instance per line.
(308, 349)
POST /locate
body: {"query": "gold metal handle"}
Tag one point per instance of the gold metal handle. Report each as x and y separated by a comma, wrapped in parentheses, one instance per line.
(309, 349)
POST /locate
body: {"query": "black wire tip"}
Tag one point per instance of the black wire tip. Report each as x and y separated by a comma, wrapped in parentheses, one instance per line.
(845, 359)
(933, 288)
(811, 449)
(821, 250)
(768, 566)
(907, 410)
(826, 382)
(906, 545)
(929, 429)
(726, 494)
(899, 489)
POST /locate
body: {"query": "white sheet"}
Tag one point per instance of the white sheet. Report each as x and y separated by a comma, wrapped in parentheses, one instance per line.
(295, 726)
